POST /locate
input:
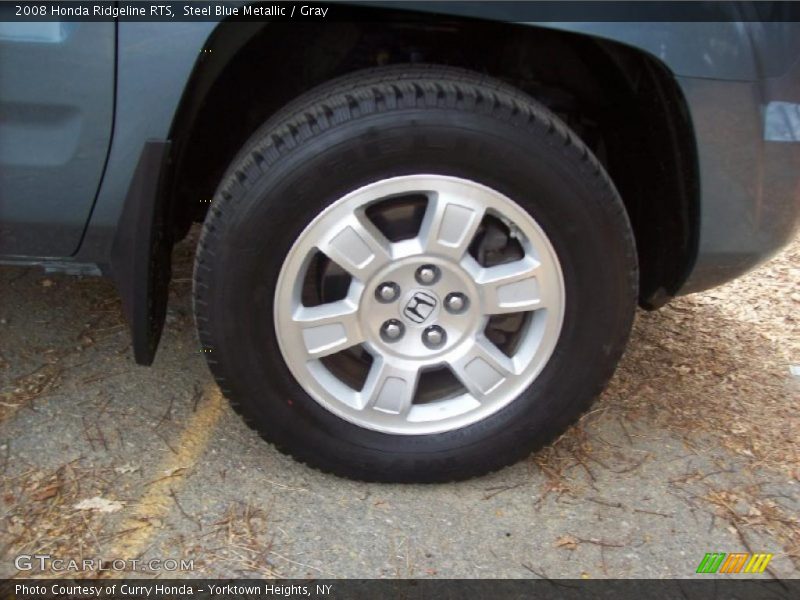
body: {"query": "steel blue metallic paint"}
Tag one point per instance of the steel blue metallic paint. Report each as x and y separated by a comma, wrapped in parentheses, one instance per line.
(56, 111)
(750, 199)
(734, 77)
(730, 50)
(155, 62)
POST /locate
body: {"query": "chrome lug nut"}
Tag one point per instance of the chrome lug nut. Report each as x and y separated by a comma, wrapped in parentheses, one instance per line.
(427, 274)
(387, 292)
(434, 336)
(392, 330)
(456, 303)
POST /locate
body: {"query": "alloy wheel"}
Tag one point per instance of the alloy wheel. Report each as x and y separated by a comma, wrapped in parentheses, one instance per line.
(417, 312)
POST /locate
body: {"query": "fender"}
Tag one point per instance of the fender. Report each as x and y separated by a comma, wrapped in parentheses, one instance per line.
(154, 76)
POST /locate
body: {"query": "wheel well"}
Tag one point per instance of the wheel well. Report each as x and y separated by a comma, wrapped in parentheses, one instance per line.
(623, 103)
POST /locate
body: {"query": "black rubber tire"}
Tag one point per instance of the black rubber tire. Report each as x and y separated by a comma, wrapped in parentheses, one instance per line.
(394, 121)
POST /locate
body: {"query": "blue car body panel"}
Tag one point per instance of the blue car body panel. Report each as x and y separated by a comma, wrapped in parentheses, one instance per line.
(147, 101)
(56, 115)
(737, 78)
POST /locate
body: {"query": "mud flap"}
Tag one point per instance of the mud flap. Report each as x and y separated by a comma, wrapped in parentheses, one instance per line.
(141, 254)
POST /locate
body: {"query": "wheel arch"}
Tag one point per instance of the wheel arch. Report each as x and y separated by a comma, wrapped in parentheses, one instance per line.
(622, 101)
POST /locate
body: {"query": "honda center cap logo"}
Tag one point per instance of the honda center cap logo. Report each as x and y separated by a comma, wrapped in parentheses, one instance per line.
(420, 306)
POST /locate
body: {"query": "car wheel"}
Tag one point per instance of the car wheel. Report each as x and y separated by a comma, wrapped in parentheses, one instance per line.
(414, 274)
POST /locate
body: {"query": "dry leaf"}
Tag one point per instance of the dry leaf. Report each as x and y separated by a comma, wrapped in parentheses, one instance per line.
(126, 469)
(567, 541)
(46, 492)
(99, 504)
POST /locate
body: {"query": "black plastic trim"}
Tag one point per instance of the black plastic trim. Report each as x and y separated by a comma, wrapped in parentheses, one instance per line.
(141, 254)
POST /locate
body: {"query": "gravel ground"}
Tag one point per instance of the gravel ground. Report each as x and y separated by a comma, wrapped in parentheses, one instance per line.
(693, 448)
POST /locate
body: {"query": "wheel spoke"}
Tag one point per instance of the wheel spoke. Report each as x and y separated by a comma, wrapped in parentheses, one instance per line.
(389, 388)
(449, 225)
(482, 368)
(508, 288)
(328, 328)
(358, 247)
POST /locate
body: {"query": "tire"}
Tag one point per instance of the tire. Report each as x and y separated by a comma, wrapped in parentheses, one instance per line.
(388, 124)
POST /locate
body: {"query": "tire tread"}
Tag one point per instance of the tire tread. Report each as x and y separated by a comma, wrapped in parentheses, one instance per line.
(383, 90)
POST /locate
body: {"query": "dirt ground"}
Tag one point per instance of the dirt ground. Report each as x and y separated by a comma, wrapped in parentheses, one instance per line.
(693, 448)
